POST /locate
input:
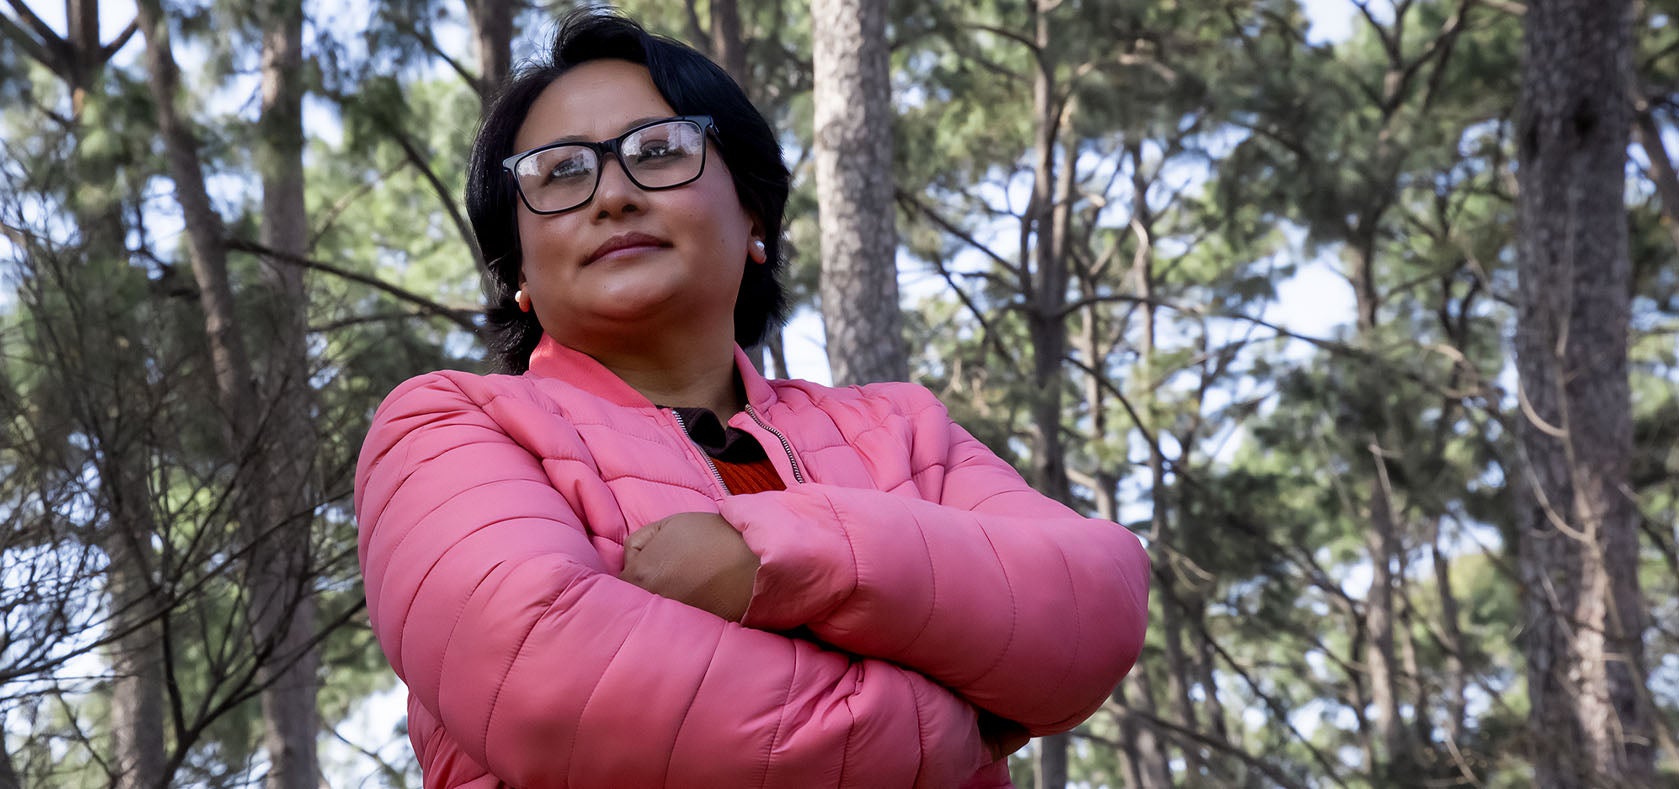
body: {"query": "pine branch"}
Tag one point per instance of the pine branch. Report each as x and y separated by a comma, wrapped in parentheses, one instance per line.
(1648, 134)
(1182, 733)
(429, 44)
(459, 316)
(49, 36)
(110, 50)
(444, 195)
(344, 201)
(45, 54)
(919, 206)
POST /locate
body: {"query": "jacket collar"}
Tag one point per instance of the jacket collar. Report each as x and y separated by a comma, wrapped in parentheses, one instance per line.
(553, 360)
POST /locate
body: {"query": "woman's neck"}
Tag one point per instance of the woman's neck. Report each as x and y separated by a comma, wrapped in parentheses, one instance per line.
(692, 376)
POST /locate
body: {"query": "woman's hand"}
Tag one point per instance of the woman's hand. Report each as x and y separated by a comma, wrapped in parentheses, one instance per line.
(695, 558)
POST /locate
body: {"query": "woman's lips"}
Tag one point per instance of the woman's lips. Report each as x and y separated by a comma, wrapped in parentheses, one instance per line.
(625, 244)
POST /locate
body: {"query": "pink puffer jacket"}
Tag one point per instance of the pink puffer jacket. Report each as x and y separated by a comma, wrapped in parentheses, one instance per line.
(923, 579)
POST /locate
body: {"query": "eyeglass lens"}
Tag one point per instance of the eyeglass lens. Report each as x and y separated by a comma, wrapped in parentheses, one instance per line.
(660, 156)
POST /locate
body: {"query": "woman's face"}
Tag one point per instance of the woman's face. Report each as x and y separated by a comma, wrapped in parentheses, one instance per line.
(673, 258)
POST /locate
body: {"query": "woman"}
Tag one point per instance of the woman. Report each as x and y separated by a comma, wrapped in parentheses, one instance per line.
(634, 561)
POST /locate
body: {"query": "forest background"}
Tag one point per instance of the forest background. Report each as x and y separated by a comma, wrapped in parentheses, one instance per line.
(1362, 315)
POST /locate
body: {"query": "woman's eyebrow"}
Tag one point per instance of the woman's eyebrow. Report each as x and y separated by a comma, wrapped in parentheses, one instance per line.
(626, 127)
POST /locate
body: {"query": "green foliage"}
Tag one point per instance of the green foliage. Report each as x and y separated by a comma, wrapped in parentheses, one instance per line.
(1216, 152)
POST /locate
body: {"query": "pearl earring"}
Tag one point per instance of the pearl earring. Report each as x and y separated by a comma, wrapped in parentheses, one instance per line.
(522, 299)
(759, 252)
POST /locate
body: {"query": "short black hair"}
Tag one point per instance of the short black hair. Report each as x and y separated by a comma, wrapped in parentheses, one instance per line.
(692, 85)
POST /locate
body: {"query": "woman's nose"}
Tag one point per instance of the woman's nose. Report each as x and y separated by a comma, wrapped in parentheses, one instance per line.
(616, 193)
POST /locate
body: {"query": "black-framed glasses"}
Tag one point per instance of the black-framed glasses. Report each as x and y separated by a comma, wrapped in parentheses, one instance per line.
(561, 176)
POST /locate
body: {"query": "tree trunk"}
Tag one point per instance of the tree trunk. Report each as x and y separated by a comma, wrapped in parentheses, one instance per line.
(137, 757)
(1391, 758)
(78, 303)
(137, 683)
(82, 23)
(1163, 543)
(1452, 641)
(1382, 542)
(1150, 759)
(1648, 133)
(203, 225)
(728, 46)
(1421, 731)
(1046, 287)
(492, 29)
(1143, 764)
(115, 417)
(1046, 324)
(283, 615)
(1578, 538)
(775, 345)
(8, 773)
(271, 515)
(853, 145)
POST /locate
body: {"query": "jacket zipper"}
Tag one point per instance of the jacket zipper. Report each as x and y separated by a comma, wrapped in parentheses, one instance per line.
(715, 474)
(785, 447)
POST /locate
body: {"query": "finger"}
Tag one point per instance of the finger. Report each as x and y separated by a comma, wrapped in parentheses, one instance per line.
(636, 559)
(639, 538)
(656, 577)
(647, 574)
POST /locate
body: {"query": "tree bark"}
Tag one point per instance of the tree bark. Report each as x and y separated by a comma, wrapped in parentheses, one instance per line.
(137, 750)
(1164, 545)
(853, 143)
(8, 773)
(1046, 324)
(728, 44)
(1146, 754)
(283, 615)
(1381, 539)
(137, 705)
(1452, 641)
(203, 225)
(492, 29)
(1143, 753)
(1578, 538)
(77, 303)
(270, 519)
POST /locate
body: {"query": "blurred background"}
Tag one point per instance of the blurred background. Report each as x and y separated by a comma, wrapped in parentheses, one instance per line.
(1245, 276)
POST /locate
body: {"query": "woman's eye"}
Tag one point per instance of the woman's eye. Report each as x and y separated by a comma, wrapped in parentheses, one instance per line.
(567, 169)
(655, 150)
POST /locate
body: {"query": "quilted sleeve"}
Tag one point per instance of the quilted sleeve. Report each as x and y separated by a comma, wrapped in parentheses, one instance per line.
(1019, 604)
(490, 603)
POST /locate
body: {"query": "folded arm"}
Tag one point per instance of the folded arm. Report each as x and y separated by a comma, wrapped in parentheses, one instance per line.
(494, 608)
(1017, 603)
